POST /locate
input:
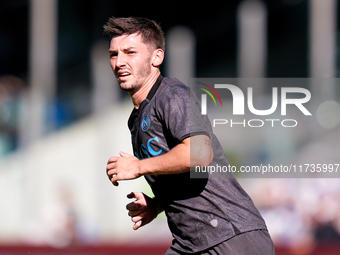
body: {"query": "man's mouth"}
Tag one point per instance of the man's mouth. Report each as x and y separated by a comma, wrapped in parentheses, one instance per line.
(122, 74)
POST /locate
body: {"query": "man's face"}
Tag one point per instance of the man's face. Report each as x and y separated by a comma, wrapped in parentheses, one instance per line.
(130, 60)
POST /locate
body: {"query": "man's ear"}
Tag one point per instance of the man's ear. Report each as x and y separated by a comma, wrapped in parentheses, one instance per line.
(157, 57)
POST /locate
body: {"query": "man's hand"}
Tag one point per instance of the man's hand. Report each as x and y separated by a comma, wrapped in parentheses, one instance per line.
(125, 167)
(143, 210)
(178, 160)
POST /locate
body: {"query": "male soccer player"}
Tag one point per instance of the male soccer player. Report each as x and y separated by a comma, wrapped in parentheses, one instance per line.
(205, 215)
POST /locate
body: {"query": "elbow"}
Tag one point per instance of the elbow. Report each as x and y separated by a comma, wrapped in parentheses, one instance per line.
(207, 159)
(204, 158)
(201, 151)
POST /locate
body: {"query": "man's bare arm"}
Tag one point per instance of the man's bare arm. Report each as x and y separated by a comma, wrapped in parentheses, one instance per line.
(177, 160)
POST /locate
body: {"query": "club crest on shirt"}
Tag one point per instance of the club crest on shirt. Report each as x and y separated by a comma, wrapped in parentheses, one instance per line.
(145, 123)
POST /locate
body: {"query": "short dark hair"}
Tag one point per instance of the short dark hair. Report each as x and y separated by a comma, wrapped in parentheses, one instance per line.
(150, 31)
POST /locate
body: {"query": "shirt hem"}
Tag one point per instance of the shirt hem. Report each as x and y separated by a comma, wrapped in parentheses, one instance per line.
(217, 242)
(194, 134)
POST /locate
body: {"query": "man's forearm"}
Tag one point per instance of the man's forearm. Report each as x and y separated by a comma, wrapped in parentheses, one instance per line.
(175, 161)
(178, 159)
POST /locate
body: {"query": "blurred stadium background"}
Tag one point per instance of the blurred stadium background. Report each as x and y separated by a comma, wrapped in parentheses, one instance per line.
(62, 116)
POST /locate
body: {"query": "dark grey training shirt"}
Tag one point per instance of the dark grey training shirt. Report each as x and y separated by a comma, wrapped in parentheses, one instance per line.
(201, 212)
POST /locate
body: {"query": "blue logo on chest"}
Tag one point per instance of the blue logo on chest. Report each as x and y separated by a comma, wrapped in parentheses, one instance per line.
(145, 123)
(146, 152)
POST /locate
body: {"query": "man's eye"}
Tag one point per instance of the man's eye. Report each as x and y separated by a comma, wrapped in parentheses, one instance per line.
(112, 55)
(131, 52)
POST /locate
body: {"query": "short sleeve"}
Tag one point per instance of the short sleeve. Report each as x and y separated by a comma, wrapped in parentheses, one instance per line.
(179, 110)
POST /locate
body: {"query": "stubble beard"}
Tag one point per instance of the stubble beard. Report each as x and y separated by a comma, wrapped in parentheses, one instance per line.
(137, 83)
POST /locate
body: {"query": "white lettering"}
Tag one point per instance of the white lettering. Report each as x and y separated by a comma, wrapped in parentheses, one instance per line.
(262, 112)
(219, 122)
(262, 122)
(238, 97)
(298, 101)
(291, 121)
(238, 123)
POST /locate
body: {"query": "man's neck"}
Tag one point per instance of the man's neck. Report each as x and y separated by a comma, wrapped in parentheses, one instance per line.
(140, 95)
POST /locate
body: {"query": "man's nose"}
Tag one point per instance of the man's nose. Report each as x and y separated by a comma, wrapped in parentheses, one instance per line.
(120, 60)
